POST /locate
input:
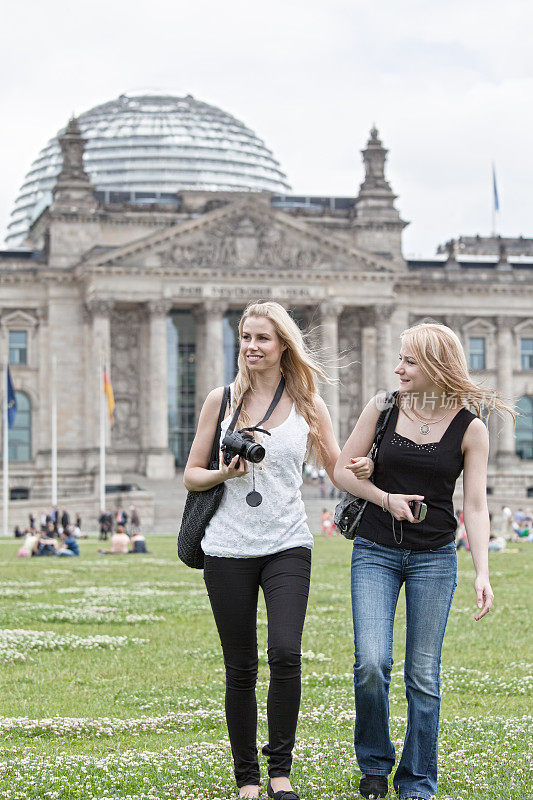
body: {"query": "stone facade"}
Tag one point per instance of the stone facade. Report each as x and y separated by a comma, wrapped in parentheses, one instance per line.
(99, 282)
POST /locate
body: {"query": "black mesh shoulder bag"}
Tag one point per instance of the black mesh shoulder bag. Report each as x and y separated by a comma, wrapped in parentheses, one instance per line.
(349, 510)
(200, 507)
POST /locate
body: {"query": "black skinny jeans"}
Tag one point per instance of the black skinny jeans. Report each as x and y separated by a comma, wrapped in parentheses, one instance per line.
(233, 587)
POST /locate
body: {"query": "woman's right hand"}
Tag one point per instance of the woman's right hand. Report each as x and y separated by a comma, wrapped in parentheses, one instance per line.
(398, 505)
(235, 469)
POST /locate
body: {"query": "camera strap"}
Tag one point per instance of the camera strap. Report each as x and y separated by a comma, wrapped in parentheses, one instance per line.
(255, 498)
(272, 406)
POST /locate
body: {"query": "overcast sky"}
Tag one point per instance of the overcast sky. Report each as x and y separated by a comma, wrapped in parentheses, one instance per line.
(449, 84)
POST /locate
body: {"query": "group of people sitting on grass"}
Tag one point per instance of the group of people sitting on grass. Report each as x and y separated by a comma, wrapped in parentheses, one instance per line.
(42, 543)
(58, 537)
(54, 536)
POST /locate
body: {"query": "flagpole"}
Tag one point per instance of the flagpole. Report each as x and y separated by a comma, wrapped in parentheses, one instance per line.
(495, 202)
(5, 456)
(54, 432)
(102, 436)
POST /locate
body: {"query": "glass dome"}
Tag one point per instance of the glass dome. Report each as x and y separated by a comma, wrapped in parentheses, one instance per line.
(147, 147)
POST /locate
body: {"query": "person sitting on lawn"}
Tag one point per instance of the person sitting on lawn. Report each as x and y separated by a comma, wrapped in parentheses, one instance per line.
(46, 546)
(120, 541)
(138, 543)
(69, 545)
(29, 546)
(496, 543)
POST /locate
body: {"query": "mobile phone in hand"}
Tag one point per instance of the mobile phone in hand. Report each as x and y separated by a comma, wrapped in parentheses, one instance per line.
(418, 509)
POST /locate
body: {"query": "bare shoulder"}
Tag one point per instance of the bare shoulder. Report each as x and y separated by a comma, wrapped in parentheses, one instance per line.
(215, 396)
(212, 402)
(320, 406)
(372, 410)
(476, 435)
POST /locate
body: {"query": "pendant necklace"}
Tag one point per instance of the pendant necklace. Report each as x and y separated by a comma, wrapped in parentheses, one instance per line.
(424, 428)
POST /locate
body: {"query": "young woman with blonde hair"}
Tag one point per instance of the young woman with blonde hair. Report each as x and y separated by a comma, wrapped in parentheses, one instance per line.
(430, 438)
(259, 537)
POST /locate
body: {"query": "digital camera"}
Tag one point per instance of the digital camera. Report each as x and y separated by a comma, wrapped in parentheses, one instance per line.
(243, 445)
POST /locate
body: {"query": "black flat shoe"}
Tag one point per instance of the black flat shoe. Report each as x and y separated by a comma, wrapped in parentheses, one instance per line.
(287, 795)
(374, 785)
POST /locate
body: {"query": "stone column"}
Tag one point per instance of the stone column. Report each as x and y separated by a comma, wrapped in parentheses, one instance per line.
(384, 355)
(99, 310)
(160, 461)
(368, 363)
(330, 311)
(457, 323)
(505, 454)
(45, 372)
(213, 366)
(200, 386)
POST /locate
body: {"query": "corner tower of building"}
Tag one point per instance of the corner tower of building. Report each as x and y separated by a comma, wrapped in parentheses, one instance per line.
(378, 226)
(73, 189)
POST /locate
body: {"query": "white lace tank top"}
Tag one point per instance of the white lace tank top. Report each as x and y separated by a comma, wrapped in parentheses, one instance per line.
(280, 522)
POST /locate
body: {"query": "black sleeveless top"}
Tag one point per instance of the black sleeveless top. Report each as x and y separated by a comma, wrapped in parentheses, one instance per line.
(404, 467)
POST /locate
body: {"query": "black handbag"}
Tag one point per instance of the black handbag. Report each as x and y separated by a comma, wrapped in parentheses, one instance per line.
(200, 507)
(349, 510)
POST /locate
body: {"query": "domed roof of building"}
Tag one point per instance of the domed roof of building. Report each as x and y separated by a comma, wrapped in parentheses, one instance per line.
(147, 147)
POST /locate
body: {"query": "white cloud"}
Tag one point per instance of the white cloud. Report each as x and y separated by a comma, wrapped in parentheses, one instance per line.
(448, 83)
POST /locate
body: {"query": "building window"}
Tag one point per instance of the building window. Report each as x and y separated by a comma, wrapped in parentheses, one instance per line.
(181, 371)
(19, 436)
(526, 353)
(476, 348)
(524, 428)
(19, 493)
(18, 347)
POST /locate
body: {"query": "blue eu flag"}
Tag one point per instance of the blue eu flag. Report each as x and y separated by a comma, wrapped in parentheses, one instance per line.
(11, 401)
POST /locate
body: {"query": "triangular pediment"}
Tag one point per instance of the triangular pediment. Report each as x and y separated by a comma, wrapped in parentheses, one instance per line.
(246, 234)
(20, 318)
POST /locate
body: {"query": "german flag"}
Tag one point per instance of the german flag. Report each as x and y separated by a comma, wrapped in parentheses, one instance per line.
(108, 391)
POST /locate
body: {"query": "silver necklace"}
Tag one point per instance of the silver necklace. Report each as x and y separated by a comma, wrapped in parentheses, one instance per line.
(425, 428)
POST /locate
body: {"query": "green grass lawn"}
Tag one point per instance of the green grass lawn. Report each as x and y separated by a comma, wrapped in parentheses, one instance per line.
(113, 685)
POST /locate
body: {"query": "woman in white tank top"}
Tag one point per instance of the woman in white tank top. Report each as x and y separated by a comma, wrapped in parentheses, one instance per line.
(259, 537)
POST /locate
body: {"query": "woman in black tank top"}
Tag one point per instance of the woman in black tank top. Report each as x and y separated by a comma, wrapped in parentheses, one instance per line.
(431, 437)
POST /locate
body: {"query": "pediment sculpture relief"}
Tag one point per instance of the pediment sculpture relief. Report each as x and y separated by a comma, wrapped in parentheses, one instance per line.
(247, 242)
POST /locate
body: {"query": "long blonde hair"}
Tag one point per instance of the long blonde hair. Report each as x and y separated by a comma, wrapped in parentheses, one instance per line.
(440, 355)
(299, 364)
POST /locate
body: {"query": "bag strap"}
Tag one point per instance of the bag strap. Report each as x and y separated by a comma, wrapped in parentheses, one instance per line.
(214, 458)
(381, 424)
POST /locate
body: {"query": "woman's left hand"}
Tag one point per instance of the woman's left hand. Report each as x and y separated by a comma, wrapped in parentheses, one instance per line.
(361, 467)
(485, 595)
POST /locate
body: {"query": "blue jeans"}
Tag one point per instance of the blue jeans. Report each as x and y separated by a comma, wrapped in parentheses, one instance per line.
(430, 580)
